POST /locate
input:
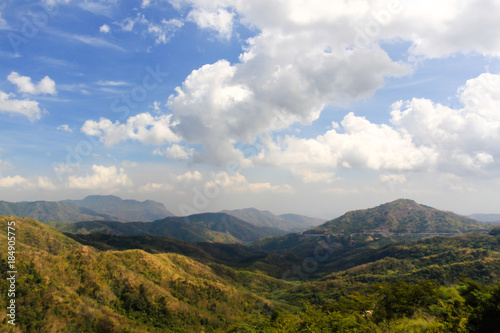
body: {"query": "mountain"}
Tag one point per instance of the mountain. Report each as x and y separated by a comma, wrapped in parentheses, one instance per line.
(402, 216)
(494, 218)
(264, 218)
(395, 222)
(126, 210)
(46, 211)
(109, 283)
(213, 227)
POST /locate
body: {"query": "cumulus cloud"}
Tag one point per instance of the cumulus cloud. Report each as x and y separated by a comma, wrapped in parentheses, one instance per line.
(175, 151)
(24, 84)
(102, 178)
(25, 107)
(143, 127)
(423, 136)
(155, 187)
(310, 176)
(162, 32)
(464, 138)
(45, 183)
(393, 179)
(64, 128)
(189, 176)
(363, 145)
(15, 181)
(238, 183)
(219, 20)
(104, 28)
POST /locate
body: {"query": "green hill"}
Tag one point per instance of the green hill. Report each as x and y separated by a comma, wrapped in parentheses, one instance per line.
(64, 286)
(402, 216)
(126, 210)
(46, 211)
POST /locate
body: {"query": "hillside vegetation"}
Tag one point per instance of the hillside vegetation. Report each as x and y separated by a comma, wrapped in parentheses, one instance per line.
(308, 282)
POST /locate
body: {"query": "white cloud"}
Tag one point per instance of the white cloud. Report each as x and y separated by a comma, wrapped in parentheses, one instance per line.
(113, 83)
(155, 187)
(218, 19)
(310, 176)
(16, 181)
(307, 55)
(45, 183)
(102, 178)
(175, 151)
(162, 31)
(393, 179)
(189, 176)
(238, 183)
(25, 107)
(64, 128)
(104, 28)
(465, 138)
(363, 145)
(24, 84)
(143, 127)
(92, 41)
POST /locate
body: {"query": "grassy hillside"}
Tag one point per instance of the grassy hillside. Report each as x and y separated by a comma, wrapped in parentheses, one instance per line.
(81, 289)
(46, 211)
(126, 210)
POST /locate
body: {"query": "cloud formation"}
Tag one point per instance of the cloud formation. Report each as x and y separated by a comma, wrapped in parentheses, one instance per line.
(143, 127)
(108, 178)
(24, 84)
(26, 107)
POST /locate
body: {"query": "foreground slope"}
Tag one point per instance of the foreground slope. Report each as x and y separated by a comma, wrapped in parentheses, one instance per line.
(46, 211)
(126, 210)
(81, 289)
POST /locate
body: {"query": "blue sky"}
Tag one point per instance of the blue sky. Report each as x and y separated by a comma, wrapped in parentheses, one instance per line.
(312, 107)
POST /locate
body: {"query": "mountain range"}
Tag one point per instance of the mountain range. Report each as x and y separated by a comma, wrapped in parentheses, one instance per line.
(213, 227)
(371, 277)
(46, 211)
(285, 222)
(493, 218)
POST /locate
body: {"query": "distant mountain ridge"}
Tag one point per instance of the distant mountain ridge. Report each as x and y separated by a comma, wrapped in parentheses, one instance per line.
(212, 227)
(126, 210)
(285, 222)
(48, 211)
(493, 218)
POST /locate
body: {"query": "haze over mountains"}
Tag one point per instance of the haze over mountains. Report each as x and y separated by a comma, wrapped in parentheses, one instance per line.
(126, 210)
(286, 222)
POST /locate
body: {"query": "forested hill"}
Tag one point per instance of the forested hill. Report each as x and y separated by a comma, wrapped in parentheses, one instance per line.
(401, 216)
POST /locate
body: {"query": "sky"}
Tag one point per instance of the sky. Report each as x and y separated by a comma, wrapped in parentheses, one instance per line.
(311, 107)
